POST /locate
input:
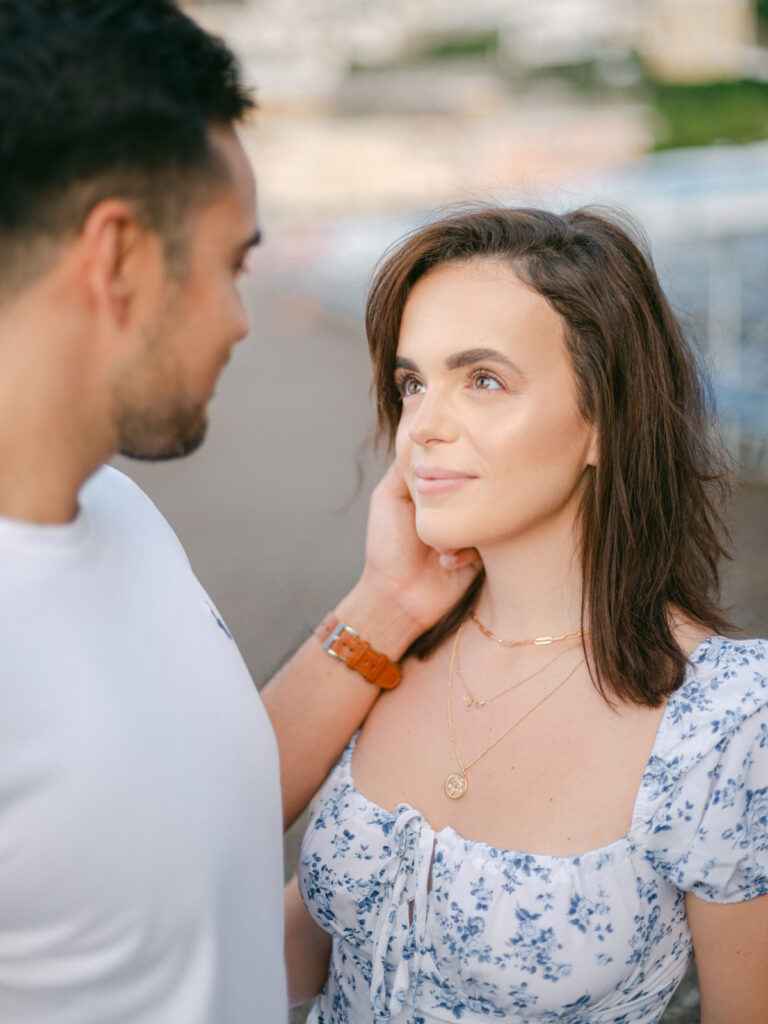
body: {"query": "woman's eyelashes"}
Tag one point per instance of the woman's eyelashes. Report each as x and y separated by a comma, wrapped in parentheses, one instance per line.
(407, 385)
(485, 381)
(481, 380)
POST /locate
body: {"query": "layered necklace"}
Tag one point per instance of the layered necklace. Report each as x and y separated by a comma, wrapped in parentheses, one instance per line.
(456, 784)
(472, 703)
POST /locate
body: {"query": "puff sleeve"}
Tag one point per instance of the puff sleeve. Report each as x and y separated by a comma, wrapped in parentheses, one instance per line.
(705, 809)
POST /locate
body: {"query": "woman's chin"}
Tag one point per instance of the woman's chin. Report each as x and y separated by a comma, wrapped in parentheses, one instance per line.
(441, 538)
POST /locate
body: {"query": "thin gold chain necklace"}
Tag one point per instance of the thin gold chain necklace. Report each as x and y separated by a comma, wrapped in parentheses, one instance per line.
(473, 703)
(538, 641)
(456, 784)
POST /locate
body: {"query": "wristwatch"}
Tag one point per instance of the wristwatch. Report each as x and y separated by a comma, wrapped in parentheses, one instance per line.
(343, 643)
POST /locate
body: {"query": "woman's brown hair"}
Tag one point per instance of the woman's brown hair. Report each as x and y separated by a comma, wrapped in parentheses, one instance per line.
(651, 527)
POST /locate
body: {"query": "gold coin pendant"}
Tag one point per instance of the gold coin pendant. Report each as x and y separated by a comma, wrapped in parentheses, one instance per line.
(456, 785)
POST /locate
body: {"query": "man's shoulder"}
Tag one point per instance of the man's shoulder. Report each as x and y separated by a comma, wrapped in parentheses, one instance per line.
(107, 482)
(114, 500)
(113, 493)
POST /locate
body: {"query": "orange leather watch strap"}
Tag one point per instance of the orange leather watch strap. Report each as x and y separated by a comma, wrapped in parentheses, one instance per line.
(342, 642)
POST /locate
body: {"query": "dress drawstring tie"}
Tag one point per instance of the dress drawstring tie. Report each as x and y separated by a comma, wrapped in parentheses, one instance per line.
(399, 936)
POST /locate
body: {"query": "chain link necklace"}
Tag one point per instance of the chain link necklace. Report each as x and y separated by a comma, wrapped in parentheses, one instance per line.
(456, 783)
(538, 641)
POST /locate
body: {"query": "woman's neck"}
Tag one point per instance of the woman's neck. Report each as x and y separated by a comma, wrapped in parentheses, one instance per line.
(531, 589)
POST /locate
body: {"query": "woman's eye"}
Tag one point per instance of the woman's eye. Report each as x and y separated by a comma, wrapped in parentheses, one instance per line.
(409, 386)
(485, 381)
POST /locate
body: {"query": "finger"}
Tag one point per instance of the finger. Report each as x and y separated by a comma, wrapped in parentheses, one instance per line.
(392, 484)
(458, 559)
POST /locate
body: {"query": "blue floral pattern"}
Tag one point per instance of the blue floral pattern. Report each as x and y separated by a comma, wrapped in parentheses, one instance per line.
(429, 927)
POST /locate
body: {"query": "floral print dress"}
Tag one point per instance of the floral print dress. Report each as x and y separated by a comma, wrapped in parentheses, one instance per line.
(429, 927)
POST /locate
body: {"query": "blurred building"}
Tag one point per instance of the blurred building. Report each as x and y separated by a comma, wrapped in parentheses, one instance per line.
(698, 40)
(680, 40)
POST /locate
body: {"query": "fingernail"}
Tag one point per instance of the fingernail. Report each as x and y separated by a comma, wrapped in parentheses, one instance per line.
(447, 561)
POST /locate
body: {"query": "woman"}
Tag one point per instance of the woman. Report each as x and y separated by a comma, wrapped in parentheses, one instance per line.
(572, 784)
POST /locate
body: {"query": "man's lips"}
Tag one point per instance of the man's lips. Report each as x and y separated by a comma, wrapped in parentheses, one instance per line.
(439, 479)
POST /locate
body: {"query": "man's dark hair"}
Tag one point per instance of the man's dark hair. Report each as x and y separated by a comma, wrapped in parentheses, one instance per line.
(104, 98)
(651, 527)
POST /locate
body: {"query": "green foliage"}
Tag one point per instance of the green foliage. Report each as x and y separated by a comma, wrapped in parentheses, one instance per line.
(697, 115)
(582, 76)
(474, 47)
(474, 44)
(597, 76)
(761, 9)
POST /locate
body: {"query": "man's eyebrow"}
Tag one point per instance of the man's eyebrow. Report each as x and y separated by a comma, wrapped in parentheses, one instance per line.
(254, 240)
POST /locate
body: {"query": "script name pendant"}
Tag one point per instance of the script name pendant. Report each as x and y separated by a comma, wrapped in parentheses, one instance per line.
(456, 785)
(474, 703)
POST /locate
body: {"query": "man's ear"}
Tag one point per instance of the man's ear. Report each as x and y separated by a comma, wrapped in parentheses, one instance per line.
(121, 259)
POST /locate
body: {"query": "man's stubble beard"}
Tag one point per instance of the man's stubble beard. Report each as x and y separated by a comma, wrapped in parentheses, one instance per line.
(154, 418)
(179, 435)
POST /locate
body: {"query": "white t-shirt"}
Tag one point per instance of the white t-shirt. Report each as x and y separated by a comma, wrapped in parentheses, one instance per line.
(140, 819)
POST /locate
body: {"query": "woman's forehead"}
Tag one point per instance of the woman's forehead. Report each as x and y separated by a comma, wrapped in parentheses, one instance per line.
(474, 305)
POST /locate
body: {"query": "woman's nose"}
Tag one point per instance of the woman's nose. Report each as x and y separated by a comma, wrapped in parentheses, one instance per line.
(432, 420)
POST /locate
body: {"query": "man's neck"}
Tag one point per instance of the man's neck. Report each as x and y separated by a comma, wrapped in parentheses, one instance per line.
(51, 435)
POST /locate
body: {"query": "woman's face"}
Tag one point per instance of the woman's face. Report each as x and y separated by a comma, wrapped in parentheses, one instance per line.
(491, 441)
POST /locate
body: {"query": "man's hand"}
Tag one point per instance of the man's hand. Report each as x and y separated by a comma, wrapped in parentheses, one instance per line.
(423, 581)
(316, 702)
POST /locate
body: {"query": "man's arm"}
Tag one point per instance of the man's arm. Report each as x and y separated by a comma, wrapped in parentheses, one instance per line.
(316, 702)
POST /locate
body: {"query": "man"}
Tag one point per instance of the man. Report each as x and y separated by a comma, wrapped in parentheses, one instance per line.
(140, 850)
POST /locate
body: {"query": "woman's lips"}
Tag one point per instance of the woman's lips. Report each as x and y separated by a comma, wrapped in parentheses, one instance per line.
(438, 480)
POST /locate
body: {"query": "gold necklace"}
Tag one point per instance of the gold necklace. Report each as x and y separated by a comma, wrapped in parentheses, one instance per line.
(456, 784)
(473, 703)
(538, 641)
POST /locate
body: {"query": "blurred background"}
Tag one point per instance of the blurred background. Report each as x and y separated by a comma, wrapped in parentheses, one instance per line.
(372, 113)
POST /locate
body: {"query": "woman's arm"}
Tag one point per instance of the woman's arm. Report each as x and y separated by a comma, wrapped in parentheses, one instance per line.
(730, 942)
(307, 948)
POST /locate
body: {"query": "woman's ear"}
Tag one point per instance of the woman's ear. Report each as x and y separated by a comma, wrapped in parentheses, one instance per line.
(593, 449)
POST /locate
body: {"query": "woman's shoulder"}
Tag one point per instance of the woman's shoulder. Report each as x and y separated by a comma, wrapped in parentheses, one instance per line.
(722, 701)
(714, 650)
(725, 683)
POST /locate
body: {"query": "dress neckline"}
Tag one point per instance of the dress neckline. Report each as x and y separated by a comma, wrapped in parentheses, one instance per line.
(612, 851)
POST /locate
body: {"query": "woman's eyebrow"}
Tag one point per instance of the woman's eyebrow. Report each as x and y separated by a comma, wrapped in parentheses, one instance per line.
(463, 358)
(478, 355)
(405, 364)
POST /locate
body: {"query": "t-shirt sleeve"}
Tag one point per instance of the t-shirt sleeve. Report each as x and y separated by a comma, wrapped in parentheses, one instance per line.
(707, 820)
